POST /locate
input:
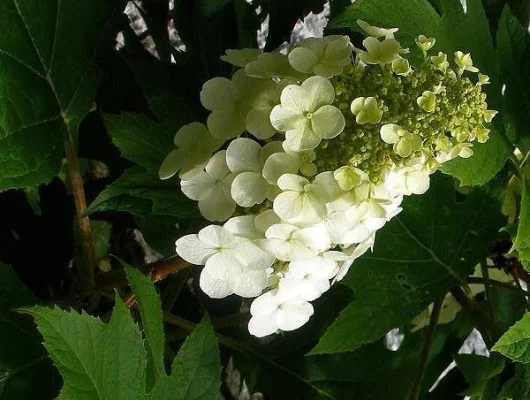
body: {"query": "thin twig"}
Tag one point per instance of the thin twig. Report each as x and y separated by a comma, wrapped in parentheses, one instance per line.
(505, 285)
(426, 350)
(487, 286)
(88, 254)
(488, 327)
(518, 284)
(160, 270)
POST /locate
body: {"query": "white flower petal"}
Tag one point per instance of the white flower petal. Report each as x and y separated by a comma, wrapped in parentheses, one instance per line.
(258, 123)
(171, 164)
(279, 164)
(321, 92)
(217, 167)
(302, 59)
(193, 250)
(198, 187)
(218, 94)
(216, 206)
(250, 283)
(218, 276)
(226, 124)
(244, 226)
(262, 326)
(248, 189)
(328, 122)
(243, 155)
(293, 315)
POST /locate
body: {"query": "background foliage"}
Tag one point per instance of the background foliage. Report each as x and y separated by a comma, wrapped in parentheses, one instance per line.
(85, 121)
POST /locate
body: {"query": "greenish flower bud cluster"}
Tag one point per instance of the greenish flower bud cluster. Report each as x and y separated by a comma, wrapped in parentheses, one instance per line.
(435, 102)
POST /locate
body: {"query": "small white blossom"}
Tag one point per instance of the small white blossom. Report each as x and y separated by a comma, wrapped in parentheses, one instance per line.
(289, 242)
(212, 189)
(258, 118)
(240, 57)
(401, 66)
(405, 143)
(302, 202)
(228, 100)
(232, 264)
(375, 31)
(464, 62)
(272, 65)
(427, 101)
(274, 311)
(354, 252)
(425, 43)
(310, 278)
(380, 52)
(306, 114)
(322, 56)
(245, 158)
(195, 146)
(366, 110)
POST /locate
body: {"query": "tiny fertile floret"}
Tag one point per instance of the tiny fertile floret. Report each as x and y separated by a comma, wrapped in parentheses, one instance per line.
(305, 156)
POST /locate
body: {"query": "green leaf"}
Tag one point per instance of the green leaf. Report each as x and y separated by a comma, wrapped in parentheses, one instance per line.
(522, 240)
(513, 53)
(147, 140)
(515, 343)
(412, 17)
(424, 251)
(101, 231)
(97, 361)
(518, 386)
(47, 82)
(196, 369)
(487, 159)
(141, 193)
(25, 370)
(152, 321)
(479, 372)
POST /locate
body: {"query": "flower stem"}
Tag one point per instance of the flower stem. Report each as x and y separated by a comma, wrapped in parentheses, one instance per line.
(426, 350)
(486, 325)
(87, 261)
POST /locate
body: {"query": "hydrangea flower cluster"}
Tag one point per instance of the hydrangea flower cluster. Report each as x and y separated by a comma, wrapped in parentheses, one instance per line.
(318, 149)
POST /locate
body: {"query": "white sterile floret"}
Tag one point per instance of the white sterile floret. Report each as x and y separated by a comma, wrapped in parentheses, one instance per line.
(405, 143)
(368, 217)
(232, 264)
(195, 146)
(274, 311)
(289, 242)
(272, 65)
(366, 110)
(306, 114)
(309, 279)
(258, 118)
(228, 100)
(322, 56)
(212, 189)
(289, 162)
(401, 66)
(408, 180)
(380, 52)
(301, 202)
(353, 252)
(240, 57)
(427, 101)
(375, 31)
(425, 43)
(464, 62)
(245, 158)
